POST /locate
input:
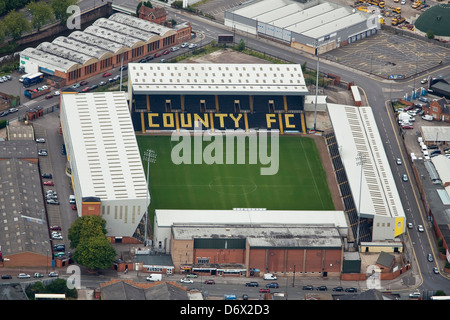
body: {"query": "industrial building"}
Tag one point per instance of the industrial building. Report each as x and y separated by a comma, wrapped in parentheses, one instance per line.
(310, 26)
(107, 174)
(238, 242)
(106, 44)
(367, 173)
(216, 96)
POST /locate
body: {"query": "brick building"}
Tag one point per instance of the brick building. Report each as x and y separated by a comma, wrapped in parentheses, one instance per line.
(439, 109)
(156, 15)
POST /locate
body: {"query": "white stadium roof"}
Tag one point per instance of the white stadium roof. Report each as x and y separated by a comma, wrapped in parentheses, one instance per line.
(105, 149)
(356, 131)
(198, 78)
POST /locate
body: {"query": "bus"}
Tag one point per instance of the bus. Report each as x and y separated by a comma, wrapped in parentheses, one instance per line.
(49, 296)
(34, 78)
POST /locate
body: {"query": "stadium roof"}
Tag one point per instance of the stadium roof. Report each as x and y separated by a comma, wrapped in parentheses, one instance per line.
(356, 132)
(104, 145)
(166, 218)
(206, 78)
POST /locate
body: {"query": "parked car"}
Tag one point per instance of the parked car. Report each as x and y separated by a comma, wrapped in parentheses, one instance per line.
(210, 282)
(149, 58)
(74, 207)
(116, 78)
(102, 83)
(23, 276)
(42, 153)
(266, 290)
(272, 285)
(123, 68)
(86, 89)
(166, 52)
(53, 274)
(338, 289)
(4, 113)
(57, 237)
(420, 228)
(308, 287)
(186, 280)
(38, 275)
(106, 74)
(56, 93)
(163, 60)
(47, 175)
(156, 55)
(53, 201)
(6, 276)
(174, 48)
(191, 275)
(59, 247)
(83, 83)
(423, 99)
(93, 87)
(56, 228)
(322, 288)
(252, 284)
(351, 290)
(143, 60)
(40, 140)
(49, 183)
(75, 85)
(184, 44)
(423, 81)
(192, 46)
(12, 110)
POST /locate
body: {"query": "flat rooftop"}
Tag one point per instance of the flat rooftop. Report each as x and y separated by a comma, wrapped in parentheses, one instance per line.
(206, 78)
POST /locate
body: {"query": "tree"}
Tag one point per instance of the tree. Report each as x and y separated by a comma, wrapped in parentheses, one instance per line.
(95, 253)
(241, 45)
(15, 23)
(430, 34)
(92, 249)
(42, 14)
(60, 9)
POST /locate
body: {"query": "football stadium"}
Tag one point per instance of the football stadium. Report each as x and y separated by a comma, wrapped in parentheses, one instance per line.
(212, 101)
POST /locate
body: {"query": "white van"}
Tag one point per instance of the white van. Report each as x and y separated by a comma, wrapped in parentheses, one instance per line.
(270, 276)
(72, 199)
(154, 277)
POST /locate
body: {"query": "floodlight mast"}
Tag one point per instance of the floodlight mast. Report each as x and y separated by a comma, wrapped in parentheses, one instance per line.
(149, 156)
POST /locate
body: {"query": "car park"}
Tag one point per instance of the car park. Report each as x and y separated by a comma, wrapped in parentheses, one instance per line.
(53, 274)
(405, 178)
(12, 110)
(186, 280)
(210, 282)
(322, 288)
(272, 285)
(106, 74)
(49, 183)
(308, 287)
(252, 284)
(23, 276)
(40, 140)
(351, 290)
(420, 228)
(264, 290)
(338, 289)
(430, 257)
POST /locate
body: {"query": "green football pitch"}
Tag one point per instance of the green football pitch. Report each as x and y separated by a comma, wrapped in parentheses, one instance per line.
(299, 184)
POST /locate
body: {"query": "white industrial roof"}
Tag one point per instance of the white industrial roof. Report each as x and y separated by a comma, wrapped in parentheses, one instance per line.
(435, 133)
(356, 132)
(284, 79)
(104, 145)
(166, 218)
(442, 165)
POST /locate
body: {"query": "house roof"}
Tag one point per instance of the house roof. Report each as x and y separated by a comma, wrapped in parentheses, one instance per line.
(128, 290)
(385, 259)
(157, 12)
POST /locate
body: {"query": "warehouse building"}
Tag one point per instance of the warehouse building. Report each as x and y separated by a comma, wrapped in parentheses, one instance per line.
(304, 25)
(104, 45)
(107, 173)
